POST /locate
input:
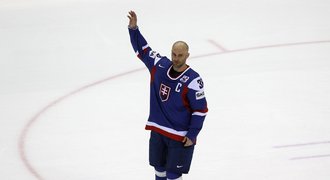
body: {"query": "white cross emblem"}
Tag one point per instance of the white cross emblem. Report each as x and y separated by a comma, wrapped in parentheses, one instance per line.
(164, 92)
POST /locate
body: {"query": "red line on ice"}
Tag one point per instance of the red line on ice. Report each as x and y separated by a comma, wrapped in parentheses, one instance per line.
(302, 144)
(27, 127)
(218, 45)
(35, 118)
(311, 157)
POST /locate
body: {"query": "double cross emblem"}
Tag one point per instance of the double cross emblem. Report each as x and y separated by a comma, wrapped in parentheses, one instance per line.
(164, 92)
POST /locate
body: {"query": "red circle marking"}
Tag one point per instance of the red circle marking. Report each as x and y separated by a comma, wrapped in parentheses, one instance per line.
(35, 118)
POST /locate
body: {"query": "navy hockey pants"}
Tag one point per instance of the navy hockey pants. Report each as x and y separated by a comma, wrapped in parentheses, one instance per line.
(170, 154)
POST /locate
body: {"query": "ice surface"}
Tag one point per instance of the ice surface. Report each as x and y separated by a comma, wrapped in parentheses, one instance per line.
(74, 98)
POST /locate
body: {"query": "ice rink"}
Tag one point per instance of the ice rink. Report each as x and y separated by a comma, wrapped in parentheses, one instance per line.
(74, 99)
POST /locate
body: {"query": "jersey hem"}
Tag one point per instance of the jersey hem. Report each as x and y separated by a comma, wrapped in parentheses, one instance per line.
(165, 133)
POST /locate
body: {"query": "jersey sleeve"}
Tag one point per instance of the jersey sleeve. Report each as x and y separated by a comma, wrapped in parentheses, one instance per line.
(198, 105)
(142, 49)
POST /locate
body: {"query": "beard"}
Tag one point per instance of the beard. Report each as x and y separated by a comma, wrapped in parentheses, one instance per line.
(177, 66)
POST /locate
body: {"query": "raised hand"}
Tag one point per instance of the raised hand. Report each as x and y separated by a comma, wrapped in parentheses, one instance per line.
(132, 20)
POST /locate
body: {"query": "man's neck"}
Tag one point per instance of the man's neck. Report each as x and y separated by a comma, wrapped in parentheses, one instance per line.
(181, 69)
(174, 73)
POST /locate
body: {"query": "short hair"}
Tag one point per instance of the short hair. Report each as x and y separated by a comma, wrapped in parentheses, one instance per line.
(181, 43)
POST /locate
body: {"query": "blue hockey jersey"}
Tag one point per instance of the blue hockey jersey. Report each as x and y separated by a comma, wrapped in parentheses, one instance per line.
(177, 105)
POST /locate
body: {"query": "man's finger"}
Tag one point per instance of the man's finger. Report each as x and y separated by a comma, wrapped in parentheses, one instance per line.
(187, 144)
(184, 140)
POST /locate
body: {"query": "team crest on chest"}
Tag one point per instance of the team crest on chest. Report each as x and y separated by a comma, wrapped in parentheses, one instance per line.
(164, 92)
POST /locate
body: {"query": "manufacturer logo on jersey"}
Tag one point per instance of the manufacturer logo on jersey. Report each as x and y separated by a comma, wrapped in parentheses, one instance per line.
(164, 92)
(184, 78)
(200, 95)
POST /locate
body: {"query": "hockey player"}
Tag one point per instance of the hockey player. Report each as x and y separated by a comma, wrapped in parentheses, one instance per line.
(177, 105)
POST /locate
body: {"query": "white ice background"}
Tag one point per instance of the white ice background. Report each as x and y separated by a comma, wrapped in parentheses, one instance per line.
(74, 97)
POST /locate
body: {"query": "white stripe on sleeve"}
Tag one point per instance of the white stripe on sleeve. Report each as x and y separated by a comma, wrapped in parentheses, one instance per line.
(199, 114)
